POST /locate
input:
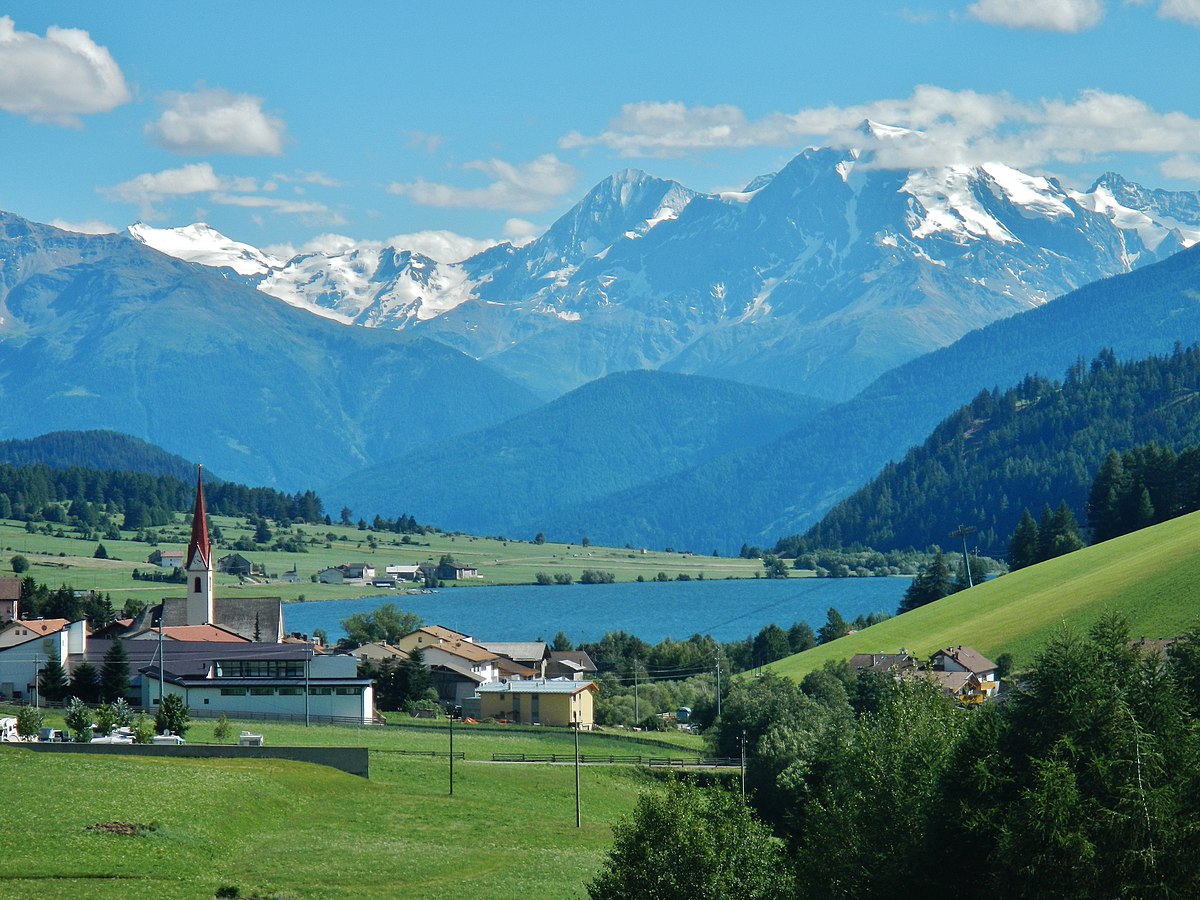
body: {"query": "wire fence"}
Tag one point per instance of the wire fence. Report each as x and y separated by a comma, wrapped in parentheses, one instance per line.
(619, 759)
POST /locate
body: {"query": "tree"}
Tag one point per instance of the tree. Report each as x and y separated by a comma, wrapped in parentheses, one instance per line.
(106, 719)
(561, 642)
(770, 644)
(774, 567)
(30, 720)
(800, 637)
(222, 729)
(835, 627)
(114, 673)
(173, 716)
(143, 729)
(1023, 548)
(539, 538)
(85, 683)
(77, 716)
(387, 623)
(100, 552)
(262, 532)
(692, 843)
(53, 682)
(19, 564)
(932, 583)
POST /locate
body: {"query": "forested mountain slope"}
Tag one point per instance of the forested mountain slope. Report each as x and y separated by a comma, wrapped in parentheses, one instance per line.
(618, 432)
(1040, 442)
(783, 487)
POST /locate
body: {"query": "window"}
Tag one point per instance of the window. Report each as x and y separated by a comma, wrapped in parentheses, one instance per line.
(319, 691)
(260, 668)
(261, 691)
(348, 691)
(290, 691)
(233, 692)
(196, 587)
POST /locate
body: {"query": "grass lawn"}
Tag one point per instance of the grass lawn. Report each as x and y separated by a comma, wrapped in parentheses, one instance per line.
(1150, 576)
(275, 828)
(69, 560)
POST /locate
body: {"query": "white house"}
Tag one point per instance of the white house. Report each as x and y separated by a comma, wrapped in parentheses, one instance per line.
(260, 679)
(22, 660)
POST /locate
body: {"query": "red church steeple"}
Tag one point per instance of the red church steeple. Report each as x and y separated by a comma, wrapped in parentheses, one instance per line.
(199, 544)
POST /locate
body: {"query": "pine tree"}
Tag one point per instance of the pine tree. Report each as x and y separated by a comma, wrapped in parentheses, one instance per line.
(85, 683)
(932, 583)
(54, 683)
(1023, 548)
(114, 673)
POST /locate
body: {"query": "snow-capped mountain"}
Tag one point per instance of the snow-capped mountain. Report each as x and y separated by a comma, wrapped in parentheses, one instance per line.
(815, 279)
(203, 244)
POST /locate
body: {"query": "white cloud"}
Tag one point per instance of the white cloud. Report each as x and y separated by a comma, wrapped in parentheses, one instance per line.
(1187, 11)
(1182, 167)
(444, 246)
(148, 191)
(519, 232)
(216, 121)
(90, 226)
(946, 127)
(531, 187)
(1067, 16)
(59, 77)
(320, 179)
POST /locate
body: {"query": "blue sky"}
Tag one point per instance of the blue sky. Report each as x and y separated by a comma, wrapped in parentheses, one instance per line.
(451, 125)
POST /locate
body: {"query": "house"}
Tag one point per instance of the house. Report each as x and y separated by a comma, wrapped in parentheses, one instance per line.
(968, 660)
(404, 573)
(429, 636)
(235, 564)
(540, 701)
(28, 646)
(895, 664)
(166, 559)
(379, 651)
(458, 668)
(292, 576)
(253, 679)
(533, 655)
(573, 664)
(455, 572)
(209, 633)
(347, 573)
(10, 598)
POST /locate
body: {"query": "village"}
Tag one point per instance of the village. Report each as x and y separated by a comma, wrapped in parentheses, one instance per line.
(234, 656)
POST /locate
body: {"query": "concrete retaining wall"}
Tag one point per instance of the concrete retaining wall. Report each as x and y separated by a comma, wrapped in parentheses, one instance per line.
(348, 759)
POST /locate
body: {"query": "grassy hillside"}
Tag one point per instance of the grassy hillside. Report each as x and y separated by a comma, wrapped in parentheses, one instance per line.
(68, 560)
(1149, 575)
(284, 829)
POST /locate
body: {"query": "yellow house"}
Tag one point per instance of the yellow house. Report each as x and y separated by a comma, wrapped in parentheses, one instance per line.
(540, 701)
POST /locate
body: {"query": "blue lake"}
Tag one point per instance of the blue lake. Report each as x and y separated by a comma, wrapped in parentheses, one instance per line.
(728, 610)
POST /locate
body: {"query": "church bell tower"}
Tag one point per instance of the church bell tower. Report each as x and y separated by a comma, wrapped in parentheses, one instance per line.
(198, 563)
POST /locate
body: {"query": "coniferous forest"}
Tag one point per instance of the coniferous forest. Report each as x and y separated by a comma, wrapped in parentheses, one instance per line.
(1039, 443)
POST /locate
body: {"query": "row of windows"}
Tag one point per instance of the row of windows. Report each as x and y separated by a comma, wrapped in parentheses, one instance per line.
(290, 691)
(260, 668)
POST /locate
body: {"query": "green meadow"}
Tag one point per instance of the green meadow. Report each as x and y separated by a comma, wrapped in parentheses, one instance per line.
(69, 560)
(284, 829)
(1151, 576)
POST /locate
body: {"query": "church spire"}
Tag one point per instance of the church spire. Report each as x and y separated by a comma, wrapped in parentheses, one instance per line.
(199, 544)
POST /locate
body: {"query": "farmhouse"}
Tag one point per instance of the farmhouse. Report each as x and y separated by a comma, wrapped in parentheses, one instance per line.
(235, 564)
(166, 559)
(347, 573)
(966, 660)
(540, 701)
(10, 596)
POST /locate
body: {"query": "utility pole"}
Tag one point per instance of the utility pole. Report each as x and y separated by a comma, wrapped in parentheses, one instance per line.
(743, 765)
(576, 728)
(962, 532)
(717, 655)
(37, 678)
(307, 666)
(637, 717)
(451, 718)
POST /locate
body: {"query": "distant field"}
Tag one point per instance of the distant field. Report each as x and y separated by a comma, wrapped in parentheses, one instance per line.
(67, 560)
(297, 830)
(1152, 576)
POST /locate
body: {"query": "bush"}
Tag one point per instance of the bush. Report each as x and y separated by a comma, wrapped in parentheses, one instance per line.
(143, 729)
(78, 718)
(30, 720)
(172, 716)
(222, 729)
(19, 564)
